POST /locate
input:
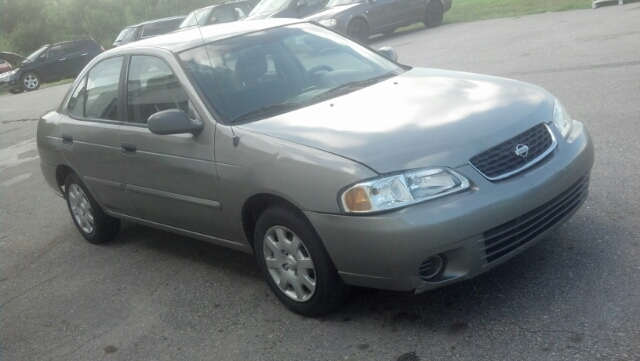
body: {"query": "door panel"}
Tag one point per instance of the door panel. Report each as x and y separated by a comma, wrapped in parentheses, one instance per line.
(91, 136)
(381, 13)
(172, 179)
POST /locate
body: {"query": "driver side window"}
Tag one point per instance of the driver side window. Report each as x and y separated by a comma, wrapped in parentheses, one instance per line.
(54, 52)
(152, 87)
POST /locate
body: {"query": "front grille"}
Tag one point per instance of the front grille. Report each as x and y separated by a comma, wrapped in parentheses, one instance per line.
(502, 161)
(505, 238)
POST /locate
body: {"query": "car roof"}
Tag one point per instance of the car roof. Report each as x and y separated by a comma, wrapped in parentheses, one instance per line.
(158, 21)
(188, 38)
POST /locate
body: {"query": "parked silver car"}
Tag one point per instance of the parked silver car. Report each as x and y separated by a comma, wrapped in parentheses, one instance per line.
(335, 168)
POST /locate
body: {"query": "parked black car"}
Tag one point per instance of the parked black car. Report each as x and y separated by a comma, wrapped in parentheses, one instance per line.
(48, 64)
(285, 9)
(148, 29)
(224, 12)
(360, 19)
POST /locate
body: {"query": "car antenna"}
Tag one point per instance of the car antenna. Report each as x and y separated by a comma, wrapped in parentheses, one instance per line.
(236, 139)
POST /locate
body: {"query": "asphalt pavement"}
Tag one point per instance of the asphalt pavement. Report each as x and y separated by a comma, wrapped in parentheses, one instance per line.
(151, 295)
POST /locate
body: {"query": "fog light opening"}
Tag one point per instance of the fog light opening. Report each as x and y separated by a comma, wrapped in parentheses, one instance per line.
(431, 267)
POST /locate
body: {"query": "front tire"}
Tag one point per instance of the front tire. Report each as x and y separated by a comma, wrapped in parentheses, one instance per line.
(30, 82)
(95, 226)
(358, 30)
(295, 264)
(434, 15)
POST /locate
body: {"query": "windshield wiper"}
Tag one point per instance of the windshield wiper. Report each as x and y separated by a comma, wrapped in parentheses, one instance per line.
(267, 110)
(352, 85)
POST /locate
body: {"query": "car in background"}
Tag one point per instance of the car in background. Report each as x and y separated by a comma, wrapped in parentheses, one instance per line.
(48, 64)
(297, 9)
(148, 29)
(220, 13)
(359, 19)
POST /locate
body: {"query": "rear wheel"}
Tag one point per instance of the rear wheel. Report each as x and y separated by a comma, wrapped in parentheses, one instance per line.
(434, 15)
(30, 82)
(95, 226)
(358, 30)
(295, 264)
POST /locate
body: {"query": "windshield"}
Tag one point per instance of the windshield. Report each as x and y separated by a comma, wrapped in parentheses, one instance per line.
(343, 2)
(197, 17)
(31, 58)
(270, 6)
(126, 35)
(282, 69)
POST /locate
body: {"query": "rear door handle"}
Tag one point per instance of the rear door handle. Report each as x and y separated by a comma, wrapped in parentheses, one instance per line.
(129, 148)
(61, 59)
(85, 54)
(67, 139)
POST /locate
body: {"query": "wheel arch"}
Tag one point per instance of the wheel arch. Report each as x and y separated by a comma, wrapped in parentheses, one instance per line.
(359, 17)
(62, 171)
(257, 204)
(32, 70)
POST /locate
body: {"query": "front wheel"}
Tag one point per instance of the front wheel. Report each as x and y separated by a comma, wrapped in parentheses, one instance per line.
(358, 30)
(296, 265)
(30, 82)
(434, 15)
(95, 226)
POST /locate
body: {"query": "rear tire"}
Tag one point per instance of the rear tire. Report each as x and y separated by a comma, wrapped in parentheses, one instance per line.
(295, 263)
(434, 14)
(30, 82)
(95, 226)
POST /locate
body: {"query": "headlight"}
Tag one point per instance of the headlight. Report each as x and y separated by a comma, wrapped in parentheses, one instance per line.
(562, 119)
(400, 190)
(8, 73)
(328, 22)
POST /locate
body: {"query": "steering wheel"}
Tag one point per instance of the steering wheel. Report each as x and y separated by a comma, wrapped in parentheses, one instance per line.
(309, 74)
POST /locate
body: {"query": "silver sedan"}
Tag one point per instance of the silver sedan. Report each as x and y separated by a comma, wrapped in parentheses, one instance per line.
(331, 162)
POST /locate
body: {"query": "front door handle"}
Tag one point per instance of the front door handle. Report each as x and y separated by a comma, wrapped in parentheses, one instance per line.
(67, 139)
(129, 148)
(63, 59)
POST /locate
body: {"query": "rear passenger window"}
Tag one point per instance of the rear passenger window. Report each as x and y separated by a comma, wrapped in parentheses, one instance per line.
(152, 87)
(96, 96)
(72, 48)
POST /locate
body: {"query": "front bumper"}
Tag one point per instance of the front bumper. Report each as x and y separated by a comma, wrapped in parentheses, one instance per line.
(387, 250)
(9, 83)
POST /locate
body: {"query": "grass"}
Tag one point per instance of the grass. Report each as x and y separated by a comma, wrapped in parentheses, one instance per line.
(464, 11)
(472, 10)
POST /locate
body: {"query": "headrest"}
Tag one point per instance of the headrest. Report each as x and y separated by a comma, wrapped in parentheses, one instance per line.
(251, 66)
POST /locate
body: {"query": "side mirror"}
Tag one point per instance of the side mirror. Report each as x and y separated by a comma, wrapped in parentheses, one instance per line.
(43, 56)
(173, 121)
(301, 4)
(214, 20)
(388, 53)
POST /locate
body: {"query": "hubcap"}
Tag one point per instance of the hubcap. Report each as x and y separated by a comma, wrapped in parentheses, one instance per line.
(289, 263)
(81, 208)
(30, 81)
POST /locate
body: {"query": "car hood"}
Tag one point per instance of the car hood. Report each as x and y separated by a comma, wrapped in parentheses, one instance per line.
(331, 12)
(421, 118)
(13, 58)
